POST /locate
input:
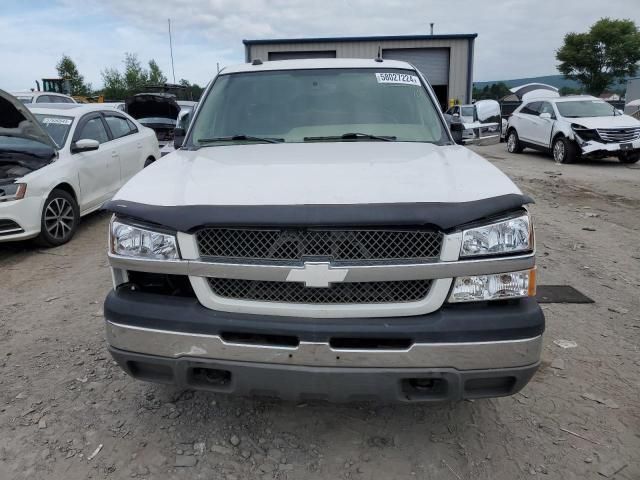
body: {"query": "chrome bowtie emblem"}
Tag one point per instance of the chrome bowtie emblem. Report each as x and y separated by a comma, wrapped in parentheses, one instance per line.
(317, 274)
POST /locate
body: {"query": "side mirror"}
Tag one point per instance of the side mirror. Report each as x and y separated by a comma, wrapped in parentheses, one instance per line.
(545, 115)
(178, 137)
(84, 145)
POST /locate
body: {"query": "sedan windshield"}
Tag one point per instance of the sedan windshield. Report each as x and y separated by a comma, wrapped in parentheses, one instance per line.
(25, 99)
(343, 105)
(57, 126)
(585, 108)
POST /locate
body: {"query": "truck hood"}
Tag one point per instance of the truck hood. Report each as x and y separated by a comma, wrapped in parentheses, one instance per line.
(619, 121)
(17, 121)
(318, 173)
(344, 183)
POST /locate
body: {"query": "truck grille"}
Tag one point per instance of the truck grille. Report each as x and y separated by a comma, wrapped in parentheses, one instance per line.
(339, 293)
(337, 245)
(619, 135)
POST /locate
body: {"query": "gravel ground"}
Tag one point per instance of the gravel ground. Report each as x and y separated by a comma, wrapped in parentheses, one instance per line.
(67, 412)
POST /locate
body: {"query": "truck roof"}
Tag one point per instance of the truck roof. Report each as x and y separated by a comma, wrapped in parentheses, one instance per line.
(316, 63)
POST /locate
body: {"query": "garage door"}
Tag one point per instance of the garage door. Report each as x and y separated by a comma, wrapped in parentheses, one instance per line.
(433, 63)
(305, 54)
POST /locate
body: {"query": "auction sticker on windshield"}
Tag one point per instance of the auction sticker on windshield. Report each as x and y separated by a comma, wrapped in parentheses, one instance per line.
(397, 78)
(57, 121)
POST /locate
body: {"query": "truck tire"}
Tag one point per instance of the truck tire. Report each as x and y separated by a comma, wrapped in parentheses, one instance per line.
(629, 157)
(59, 220)
(564, 150)
(513, 142)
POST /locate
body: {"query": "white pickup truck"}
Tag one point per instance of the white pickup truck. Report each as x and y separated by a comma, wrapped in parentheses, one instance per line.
(319, 235)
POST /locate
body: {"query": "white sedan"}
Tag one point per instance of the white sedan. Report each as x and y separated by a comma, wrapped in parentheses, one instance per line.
(60, 162)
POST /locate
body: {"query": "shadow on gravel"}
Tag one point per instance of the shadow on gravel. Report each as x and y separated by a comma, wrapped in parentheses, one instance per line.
(610, 162)
(14, 249)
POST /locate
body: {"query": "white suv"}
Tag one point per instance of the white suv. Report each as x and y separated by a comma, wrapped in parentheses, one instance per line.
(573, 127)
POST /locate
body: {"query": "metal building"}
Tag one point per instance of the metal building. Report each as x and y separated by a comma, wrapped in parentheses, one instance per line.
(445, 60)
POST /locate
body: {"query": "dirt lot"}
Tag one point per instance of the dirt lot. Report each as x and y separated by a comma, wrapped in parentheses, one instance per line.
(62, 397)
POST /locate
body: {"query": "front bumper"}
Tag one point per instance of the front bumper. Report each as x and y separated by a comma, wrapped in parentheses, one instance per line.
(335, 384)
(26, 214)
(466, 351)
(592, 147)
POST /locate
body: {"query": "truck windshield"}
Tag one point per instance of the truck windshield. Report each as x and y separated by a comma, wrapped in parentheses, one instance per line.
(318, 105)
(585, 108)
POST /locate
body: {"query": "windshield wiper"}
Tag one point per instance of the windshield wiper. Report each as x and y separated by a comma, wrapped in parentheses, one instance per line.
(352, 136)
(241, 137)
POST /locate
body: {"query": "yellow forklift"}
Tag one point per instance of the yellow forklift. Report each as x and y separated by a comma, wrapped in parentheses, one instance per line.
(62, 85)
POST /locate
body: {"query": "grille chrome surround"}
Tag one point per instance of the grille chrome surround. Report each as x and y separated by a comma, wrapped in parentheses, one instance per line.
(617, 135)
(338, 293)
(338, 245)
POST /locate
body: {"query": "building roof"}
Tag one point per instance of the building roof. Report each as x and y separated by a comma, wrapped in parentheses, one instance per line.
(316, 63)
(270, 41)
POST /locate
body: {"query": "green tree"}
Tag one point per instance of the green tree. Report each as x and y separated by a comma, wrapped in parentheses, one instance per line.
(68, 70)
(495, 91)
(135, 76)
(569, 91)
(607, 53)
(193, 90)
(155, 74)
(114, 84)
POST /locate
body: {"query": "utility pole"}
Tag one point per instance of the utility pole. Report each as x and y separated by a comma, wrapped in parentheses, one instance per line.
(173, 70)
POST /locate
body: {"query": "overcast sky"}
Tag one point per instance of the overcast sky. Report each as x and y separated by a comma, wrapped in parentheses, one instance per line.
(516, 38)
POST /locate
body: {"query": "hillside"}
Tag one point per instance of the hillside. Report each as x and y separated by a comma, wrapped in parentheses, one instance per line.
(557, 81)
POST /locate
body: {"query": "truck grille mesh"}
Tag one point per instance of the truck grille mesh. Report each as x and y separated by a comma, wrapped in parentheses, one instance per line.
(616, 135)
(338, 293)
(337, 245)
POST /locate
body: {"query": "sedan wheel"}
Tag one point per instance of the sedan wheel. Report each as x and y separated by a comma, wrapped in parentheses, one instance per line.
(59, 219)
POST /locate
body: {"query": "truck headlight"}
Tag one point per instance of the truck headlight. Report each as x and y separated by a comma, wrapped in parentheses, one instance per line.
(133, 241)
(507, 236)
(498, 286)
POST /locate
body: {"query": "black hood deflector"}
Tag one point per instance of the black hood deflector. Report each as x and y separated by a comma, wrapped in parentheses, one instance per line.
(444, 216)
(147, 105)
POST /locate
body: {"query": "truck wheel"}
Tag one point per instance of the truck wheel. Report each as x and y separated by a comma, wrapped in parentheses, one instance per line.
(60, 217)
(149, 161)
(629, 157)
(564, 150)
(513, 142)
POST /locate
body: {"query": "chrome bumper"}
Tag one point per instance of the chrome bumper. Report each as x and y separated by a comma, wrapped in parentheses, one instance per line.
(460, 356)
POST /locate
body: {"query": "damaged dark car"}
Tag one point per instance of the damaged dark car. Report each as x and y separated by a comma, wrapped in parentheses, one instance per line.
(158, 111)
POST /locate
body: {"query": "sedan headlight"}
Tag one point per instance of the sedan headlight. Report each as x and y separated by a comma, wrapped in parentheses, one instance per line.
(498, 286)
(12, 191)
(133, 241)
(508, 236)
